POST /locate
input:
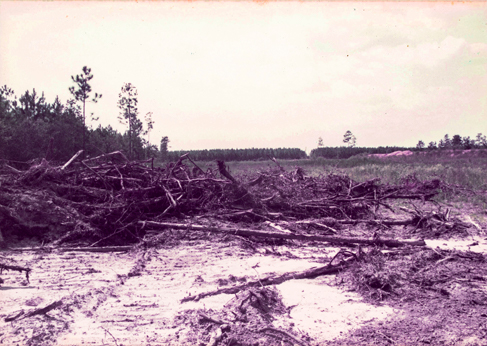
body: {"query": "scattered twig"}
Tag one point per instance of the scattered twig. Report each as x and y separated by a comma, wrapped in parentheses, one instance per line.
(107, 331)
(208, 318)
(301, 342)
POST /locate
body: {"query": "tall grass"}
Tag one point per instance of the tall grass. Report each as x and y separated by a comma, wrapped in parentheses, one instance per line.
(463, 171)
(470, 173)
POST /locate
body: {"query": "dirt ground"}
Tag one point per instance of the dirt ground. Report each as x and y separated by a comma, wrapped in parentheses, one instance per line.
(107, 306)
(134, 297)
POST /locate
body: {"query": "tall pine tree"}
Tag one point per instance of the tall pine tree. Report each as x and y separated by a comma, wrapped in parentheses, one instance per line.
(82, 93)
(129, 112)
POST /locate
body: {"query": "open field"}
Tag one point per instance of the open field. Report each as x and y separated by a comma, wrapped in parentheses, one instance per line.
(464, 171)
(255, 255)
(469, 172)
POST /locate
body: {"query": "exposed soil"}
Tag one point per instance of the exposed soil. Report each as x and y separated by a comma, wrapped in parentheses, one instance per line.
(104, 304)
(99, 296)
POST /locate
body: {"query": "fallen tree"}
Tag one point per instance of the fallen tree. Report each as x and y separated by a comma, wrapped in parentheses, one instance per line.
(282, 235)
(275, 280)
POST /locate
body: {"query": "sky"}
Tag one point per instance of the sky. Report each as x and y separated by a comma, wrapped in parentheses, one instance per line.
(261, 74)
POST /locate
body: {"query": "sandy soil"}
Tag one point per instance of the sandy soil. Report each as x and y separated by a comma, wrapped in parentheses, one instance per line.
(103, 305)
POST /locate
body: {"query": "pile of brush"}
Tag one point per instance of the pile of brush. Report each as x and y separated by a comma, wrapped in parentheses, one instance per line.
(104, 198)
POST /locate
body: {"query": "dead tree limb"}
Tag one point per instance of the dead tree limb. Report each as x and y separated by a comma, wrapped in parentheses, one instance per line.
(34, 312)
(422, 196)
(300, 342)
(118, 154)
(195, 165)
(281, 235)
(16, 268)
(96, 173)
(46, 309)
(273, 159)
(223, 171)
(11, 169)
(97, 249)
(272, 280)
(319, 225)
(377, 222)
(67, 249)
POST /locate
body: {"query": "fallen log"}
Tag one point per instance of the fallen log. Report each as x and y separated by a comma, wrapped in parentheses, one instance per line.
(370, 222)
(68, 249)
(120, 157)
(71, 160)
(282, 235)
(17, 268)
(97, 249)
(42, 311)
(272, 280)
(422, 196)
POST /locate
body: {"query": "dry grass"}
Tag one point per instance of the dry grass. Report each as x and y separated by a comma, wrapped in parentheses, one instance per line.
(466, 175)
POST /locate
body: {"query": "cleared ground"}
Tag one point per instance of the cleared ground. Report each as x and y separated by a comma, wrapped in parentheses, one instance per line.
(100, 298)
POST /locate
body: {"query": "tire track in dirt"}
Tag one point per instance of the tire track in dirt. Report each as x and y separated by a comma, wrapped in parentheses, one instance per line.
(103, 304)
(73, 277)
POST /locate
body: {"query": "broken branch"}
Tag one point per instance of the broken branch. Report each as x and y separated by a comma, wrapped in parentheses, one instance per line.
(272, 280)
(280, 235)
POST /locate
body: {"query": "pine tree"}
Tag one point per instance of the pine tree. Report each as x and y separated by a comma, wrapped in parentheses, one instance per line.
(164, 149)
(480, 141)
(456, 141)
(420, 145)
(432, 145)
(129, 114)
(349, 139)
(83, 93)
(320, 142)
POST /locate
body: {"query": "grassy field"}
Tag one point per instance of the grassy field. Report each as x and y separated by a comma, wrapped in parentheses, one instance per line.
(470, 173)
(466, 171)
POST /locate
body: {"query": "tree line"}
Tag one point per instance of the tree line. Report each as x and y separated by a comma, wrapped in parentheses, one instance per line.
(239, 154)
(32, 128)
(349, 151)
(456, 142)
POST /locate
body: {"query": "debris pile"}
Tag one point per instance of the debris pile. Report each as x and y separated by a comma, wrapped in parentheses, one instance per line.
(420, 274)
(247, 319)
(106, 200)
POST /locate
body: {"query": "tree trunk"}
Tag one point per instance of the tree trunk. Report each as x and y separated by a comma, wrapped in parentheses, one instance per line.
(84, 126)
(282, 235)
(130, 133)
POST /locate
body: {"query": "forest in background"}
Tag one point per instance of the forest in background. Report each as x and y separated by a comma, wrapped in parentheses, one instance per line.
(32, 128)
